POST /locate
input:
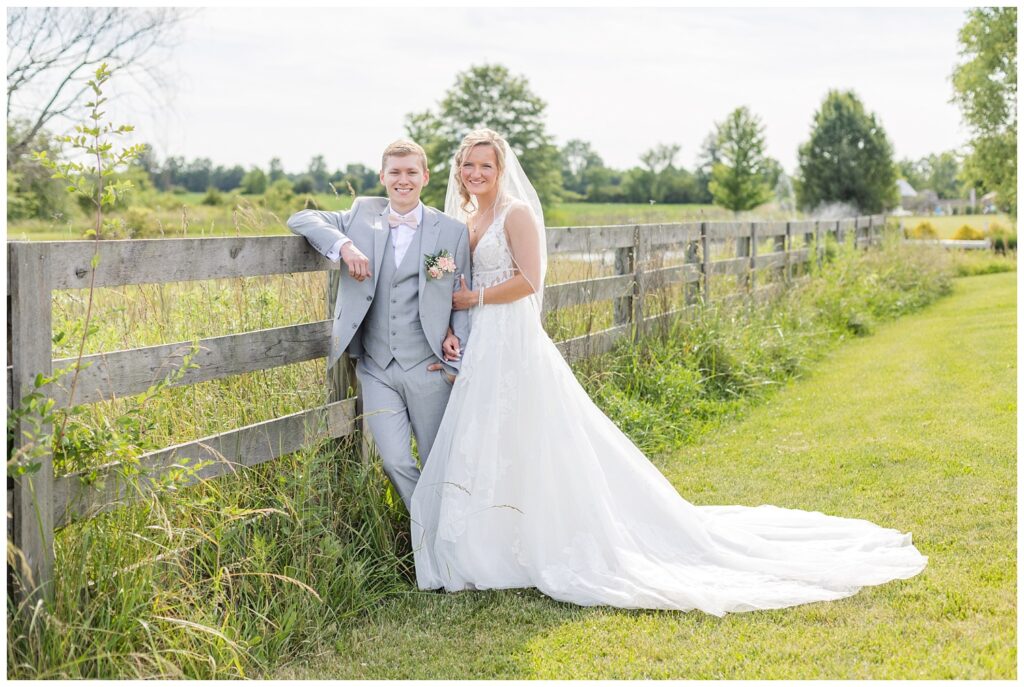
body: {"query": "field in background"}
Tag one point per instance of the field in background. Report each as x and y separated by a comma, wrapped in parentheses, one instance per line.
(176, 215)
(946, 225)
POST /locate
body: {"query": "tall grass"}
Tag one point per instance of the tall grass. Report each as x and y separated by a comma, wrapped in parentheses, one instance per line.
(232, 577)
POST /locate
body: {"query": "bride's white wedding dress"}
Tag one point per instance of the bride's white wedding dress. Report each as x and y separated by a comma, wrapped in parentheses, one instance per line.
(529, 484)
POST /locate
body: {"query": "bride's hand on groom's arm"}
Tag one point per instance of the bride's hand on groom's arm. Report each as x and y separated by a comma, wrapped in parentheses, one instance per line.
(463, 298)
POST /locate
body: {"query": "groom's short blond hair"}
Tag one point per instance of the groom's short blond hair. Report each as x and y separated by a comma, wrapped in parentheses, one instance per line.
(401, 148)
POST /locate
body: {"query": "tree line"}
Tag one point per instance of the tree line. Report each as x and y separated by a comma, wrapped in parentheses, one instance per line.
(847, 157)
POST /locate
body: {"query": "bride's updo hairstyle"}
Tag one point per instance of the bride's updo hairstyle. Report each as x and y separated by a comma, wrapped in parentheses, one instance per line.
(480, 137)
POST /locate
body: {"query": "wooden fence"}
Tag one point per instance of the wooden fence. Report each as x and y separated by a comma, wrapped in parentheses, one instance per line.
(39, 503)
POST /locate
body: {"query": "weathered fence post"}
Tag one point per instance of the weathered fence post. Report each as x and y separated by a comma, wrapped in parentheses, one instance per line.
(743, 251)
(691, 289)
(819, 243)
(639, 285)
(342, 376)
(705, 262)
(30, 340)
(787, 243)
(625, 263)
(754, 257)
(779, 246)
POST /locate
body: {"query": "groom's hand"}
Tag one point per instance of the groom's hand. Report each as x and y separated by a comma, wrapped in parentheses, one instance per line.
(358, 264)
(451, 347)
(433, 367)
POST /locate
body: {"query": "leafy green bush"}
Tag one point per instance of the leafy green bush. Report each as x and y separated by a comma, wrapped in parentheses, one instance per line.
(141, 222)
(213, 197)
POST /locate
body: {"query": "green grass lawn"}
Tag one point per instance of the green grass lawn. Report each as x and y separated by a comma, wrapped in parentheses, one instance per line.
(912, 428)
(946, 225)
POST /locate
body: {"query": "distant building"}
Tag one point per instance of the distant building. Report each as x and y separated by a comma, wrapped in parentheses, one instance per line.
(907, 197)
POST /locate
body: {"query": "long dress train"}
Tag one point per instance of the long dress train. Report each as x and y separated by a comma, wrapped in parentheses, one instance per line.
(529, 484)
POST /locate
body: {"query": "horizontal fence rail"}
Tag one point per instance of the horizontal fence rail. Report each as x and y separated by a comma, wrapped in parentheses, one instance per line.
(41, 502)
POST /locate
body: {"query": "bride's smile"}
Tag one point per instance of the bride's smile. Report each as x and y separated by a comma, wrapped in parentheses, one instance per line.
(480, 172)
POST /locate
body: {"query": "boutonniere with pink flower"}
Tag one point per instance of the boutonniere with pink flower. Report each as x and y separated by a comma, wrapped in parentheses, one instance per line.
(439, 264)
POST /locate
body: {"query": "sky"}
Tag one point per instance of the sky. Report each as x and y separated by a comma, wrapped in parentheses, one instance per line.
(246, 85)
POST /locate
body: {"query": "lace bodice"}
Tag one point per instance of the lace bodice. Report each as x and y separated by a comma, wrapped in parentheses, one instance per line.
(492, 257)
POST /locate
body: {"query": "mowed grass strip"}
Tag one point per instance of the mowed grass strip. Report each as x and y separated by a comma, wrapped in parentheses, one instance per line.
(912, 428)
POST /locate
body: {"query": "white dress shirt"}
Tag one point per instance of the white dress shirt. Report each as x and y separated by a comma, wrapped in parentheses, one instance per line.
(401, 236)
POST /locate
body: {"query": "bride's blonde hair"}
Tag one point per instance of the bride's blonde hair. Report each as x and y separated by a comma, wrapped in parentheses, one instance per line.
(480, 137)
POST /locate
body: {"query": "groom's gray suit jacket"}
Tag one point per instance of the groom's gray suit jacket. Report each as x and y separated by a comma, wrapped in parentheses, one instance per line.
(400, 313)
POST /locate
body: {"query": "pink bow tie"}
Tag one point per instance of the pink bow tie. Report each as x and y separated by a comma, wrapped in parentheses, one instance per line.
(398, 220)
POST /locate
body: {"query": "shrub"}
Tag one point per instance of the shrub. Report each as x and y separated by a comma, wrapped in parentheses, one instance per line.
(140, 222)
(923, 230)
(280, 197)
(212, 197)
(1003, 239)
(968, 233)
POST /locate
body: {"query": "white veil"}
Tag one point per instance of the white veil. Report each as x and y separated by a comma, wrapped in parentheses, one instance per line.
(513, 186)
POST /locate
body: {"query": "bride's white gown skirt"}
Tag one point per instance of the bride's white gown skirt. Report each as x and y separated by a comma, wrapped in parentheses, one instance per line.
(529, 484)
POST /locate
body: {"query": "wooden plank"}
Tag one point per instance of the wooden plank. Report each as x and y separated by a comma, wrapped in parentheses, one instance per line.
(769, 229)
(122, 373)
(656, 235)
(730, 266)
(726, 230)
(572, 293)
(244, 447)
(801, 255)
(156, 261)
(592, 344)
(31, 329)
(663, 276)
(770, 260)
(589, 239)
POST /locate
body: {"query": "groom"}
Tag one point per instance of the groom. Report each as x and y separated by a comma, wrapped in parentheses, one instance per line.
(394, 305)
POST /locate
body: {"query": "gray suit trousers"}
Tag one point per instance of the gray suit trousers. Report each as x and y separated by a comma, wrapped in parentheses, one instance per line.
(395, 400)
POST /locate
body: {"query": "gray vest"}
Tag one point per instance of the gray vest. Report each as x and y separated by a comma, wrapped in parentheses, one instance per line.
(391, 329)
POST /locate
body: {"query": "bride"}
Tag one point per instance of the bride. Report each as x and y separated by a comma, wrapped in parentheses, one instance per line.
(529, 484)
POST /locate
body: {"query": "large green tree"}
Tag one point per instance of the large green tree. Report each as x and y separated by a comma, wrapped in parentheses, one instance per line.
(985, 87)
(582, 167)
(488, 96)
(739, 181)
(848, 158)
